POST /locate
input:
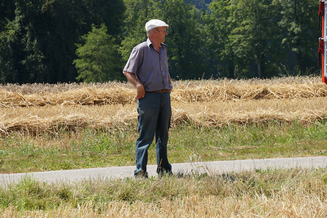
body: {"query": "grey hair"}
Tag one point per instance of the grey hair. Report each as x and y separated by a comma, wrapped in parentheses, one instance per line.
(150, 32)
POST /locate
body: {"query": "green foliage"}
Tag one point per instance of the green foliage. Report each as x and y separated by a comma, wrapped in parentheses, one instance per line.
(40, 46)
(185, 40)
(111, 13)
(255, 36)
(34, 50)
(186, 57)
(218, 26)
(300, 32)
(98, 57)
(220, 38)
(252, 38)
(137, 13)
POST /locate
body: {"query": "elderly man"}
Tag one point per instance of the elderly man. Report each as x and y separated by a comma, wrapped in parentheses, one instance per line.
(147, 70)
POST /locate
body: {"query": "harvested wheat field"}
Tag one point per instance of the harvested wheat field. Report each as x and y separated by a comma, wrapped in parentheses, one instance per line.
(35, 108)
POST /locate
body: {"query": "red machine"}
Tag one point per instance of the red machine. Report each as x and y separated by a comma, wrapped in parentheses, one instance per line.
(323, 39)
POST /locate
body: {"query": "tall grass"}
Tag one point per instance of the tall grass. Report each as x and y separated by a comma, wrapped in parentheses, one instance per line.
(267, 193)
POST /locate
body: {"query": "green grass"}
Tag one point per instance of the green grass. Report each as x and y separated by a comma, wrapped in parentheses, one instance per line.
(250, 141)
(90, 148)
(30, 194)
(188, 142)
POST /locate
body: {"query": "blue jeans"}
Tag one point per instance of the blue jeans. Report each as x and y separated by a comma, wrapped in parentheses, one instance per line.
(154, 120)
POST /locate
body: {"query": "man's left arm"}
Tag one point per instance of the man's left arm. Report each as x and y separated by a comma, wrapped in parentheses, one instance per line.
(171, 85)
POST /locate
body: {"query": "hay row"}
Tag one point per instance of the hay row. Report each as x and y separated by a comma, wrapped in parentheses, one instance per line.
(41, 88)
(56, 124)
(82, 96)
(183, 92)
(245, 91)
(54, 119)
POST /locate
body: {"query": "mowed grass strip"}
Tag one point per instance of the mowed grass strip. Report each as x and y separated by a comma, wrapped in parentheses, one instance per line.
(188, 142)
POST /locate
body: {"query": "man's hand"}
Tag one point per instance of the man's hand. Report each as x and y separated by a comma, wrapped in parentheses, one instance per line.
(136, 82)
(140, 91)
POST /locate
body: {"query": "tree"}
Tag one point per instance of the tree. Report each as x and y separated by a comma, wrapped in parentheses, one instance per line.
(199, 4)
(40, 37)
(299, 24)
(137, 13)
(218, 26)
(111, 13)
(7, 61)
(185, 40)
(20, 51)
(98, 57)
(255, 39)
(7, 11)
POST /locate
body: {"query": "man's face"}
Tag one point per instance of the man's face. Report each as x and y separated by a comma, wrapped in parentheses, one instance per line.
(161, 34)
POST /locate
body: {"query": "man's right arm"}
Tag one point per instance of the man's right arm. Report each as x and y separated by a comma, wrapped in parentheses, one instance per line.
(136, 82)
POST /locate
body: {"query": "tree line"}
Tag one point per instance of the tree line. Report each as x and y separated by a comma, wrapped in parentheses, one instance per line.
(51, 41)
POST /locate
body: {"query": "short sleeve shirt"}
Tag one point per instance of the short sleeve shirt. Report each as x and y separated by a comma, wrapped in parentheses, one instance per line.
(149, 66)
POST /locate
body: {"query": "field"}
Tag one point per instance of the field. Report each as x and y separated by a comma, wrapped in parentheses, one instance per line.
(66, 126)
(45, 108)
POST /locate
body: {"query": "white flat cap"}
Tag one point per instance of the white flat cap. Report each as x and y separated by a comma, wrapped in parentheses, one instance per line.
(151, 24)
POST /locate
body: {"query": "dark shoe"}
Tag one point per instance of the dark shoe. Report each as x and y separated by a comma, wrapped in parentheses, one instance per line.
(165, 173)
(141, 174)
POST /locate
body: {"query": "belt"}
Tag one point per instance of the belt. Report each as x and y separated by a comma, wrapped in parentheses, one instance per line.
(160, 91)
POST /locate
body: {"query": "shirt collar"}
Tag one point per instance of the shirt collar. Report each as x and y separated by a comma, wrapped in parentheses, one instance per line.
(150, 43)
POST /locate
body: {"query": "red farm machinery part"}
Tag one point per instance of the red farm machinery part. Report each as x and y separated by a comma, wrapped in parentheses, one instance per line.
(323, 39)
